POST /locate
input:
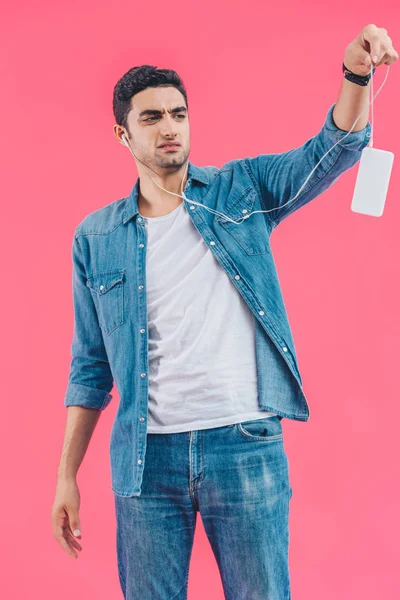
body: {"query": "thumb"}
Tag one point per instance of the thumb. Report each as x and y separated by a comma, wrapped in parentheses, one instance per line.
(367, 60)
(75, 524)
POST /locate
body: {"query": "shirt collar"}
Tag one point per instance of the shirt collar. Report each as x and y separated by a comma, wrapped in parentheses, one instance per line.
(131, 205)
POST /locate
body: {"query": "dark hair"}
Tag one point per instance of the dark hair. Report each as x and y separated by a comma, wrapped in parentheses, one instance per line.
(138, 79)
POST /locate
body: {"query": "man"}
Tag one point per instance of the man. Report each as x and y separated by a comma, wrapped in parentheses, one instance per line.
(177, 301)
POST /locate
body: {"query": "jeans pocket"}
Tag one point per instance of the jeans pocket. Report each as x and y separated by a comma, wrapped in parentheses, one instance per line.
(266, 429)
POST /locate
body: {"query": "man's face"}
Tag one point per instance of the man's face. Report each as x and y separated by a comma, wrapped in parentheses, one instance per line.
(156, 116)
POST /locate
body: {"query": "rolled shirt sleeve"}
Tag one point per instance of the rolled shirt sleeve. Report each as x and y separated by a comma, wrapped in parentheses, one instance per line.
(90, 379)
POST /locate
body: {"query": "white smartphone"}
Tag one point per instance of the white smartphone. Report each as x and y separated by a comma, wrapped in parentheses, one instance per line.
(372, 181)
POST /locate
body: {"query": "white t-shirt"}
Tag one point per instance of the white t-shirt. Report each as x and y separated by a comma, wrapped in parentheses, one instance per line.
(202, 362)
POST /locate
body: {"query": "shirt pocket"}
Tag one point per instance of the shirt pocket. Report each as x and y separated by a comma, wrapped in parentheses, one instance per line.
(253, 233)
(107, 289)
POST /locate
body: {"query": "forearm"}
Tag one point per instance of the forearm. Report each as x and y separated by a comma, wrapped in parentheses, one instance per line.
(353, 99)
(80, 425)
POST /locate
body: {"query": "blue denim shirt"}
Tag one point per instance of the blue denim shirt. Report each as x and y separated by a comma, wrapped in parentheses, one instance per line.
(110, 335)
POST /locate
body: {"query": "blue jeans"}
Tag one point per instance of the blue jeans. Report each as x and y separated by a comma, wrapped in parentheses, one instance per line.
(237, 477)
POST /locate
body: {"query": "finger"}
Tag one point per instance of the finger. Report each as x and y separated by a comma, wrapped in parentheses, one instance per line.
(69, 529)
(363, 57)
(391, 57)
(381, 60)
(73, 523)
(68, 548)
(73, 541)
(59, 536)
(65, 546)
(374, 40)
(386, 48)
(388, 58)
(71, 537)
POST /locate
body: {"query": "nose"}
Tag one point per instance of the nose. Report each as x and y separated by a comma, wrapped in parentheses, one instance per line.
(169, 126)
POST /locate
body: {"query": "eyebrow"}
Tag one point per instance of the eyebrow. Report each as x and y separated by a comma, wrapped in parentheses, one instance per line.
(150, 111)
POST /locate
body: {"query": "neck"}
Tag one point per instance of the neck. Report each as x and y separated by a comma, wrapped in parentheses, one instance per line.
(155, 202)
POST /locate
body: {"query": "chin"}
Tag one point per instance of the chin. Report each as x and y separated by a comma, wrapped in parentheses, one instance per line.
(176, 159)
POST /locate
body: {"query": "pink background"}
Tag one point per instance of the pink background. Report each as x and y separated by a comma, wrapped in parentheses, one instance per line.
(260, 79)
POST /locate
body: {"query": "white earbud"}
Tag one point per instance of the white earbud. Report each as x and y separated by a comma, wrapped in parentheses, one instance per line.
(125, 142)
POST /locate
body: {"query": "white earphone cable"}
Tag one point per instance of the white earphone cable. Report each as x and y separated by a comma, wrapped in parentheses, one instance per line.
(370, 103)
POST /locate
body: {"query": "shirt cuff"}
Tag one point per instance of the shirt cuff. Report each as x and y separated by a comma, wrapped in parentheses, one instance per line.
(356, 140)
(86, 396)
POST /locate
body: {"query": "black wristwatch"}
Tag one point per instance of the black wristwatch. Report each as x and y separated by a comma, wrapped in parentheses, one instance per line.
(354, 78)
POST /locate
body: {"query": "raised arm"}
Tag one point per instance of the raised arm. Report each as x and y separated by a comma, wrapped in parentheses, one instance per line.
(281, 176)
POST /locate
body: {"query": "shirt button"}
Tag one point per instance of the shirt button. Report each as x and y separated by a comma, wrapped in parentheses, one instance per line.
(192, 207)
(140, 219)
(139, 462)
(261, 312)
(237, 276)
(102, 287)
(212, 243)
(142, 374)
(284, 349)
(244, 210)
(142, 330)
(141, 245)
(141, 419)
(140, 287)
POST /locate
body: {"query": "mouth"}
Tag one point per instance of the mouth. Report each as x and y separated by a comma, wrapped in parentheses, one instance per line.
(174, 147)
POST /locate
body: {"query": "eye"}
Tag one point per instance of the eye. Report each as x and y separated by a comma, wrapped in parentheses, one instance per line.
(182, 116)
